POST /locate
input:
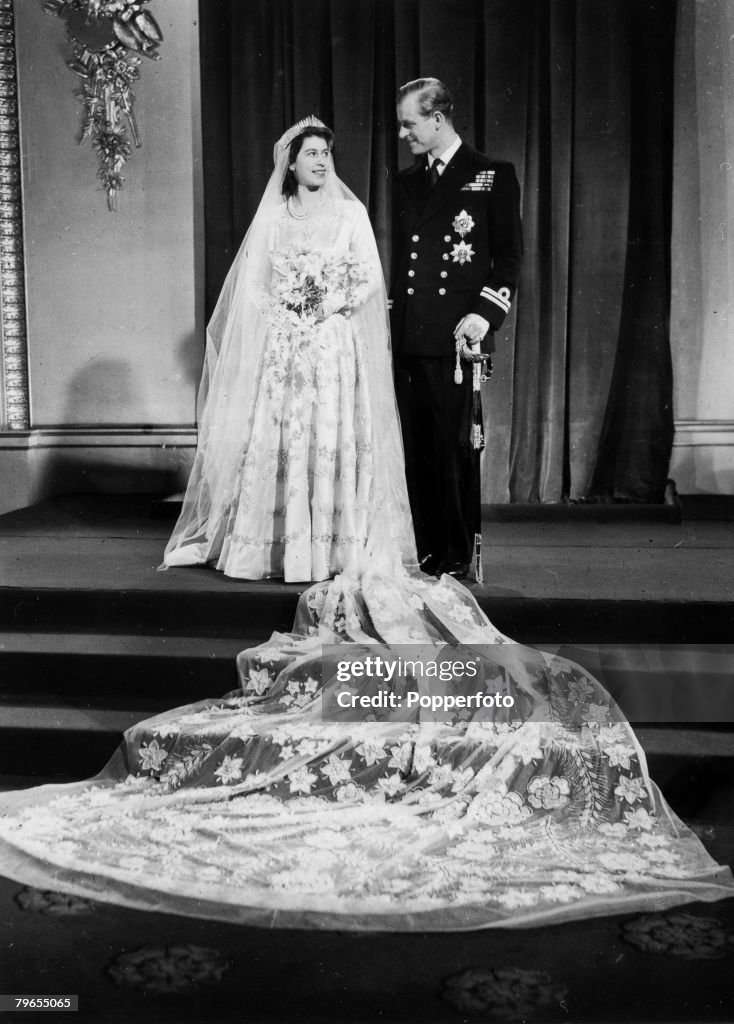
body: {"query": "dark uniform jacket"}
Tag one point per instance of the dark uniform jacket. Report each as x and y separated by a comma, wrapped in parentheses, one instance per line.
(457, 249)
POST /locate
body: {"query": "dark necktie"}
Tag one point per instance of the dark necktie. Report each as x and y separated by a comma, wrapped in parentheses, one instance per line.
(434, 173)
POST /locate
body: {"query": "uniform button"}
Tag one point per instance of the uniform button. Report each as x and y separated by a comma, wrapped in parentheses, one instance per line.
(411, 273)
(441, 291)
(410, 291)
(415, 238)
(445, 255)
(444, 273)
(414, 255)
(447, 238)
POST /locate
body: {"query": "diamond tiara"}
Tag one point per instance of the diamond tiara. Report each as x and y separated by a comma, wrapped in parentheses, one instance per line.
(307, 122)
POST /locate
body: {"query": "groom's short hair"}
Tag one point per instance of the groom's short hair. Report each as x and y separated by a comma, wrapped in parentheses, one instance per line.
(433, 96)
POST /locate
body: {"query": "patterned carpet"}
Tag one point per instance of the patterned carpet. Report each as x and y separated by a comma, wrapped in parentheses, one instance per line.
(129, 966)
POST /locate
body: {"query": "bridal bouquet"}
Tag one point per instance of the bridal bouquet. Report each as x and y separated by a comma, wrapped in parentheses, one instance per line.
(308, 287)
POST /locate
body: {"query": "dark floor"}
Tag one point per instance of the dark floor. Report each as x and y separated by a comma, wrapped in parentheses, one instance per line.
(97, 541)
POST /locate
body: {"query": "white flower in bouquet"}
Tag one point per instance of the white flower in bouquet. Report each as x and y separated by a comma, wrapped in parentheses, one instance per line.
(308, 288)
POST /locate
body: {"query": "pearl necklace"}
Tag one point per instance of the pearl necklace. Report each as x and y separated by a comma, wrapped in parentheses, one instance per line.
(309, 212)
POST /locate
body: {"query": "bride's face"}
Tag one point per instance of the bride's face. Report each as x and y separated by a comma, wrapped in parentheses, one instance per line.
(312, 163)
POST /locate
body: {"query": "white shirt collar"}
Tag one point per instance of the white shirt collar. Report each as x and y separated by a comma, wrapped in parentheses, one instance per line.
(447, 153)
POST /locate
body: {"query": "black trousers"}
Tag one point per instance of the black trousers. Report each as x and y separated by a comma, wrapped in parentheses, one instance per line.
(442, 468)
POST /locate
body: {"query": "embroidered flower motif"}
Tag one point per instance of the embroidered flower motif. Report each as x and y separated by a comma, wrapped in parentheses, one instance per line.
(391, 785)
(514, 899)
(302, 781)
(579, 689)
(440, 774)
(336, 769)
(316, 601)
(597, 714)
(152, 755)
(462, 253)
(493, 807)
(685, 936)
(640, 818)
(620, 757)
(613, 735)
(53, 904)
(401, 757)
(527, 743)
(371, 751)
(618, 861)
(463, 223)
(423, 759)
(259, 681)
(351, 791)
(561, 893)
(168, 968)
(630, 789)
(230, 770)
(269, 654)
(548, 791)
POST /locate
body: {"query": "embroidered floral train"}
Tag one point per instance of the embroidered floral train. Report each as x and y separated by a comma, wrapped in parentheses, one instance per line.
(280, 805)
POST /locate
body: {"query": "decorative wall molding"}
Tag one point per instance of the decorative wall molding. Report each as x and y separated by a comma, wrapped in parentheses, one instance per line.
(703, 433)
(38, 464)
(702, 460)
(162, 437)
(16, 400)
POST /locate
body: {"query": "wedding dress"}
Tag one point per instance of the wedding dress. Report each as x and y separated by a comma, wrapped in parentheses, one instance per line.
(394, 762)
(299, 470)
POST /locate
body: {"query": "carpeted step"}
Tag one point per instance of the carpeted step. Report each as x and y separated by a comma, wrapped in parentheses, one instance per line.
(257, 609)
(253, 610)
(148, 673)
(47, 741)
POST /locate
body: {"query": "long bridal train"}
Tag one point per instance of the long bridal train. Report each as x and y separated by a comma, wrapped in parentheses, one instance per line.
(273, 806)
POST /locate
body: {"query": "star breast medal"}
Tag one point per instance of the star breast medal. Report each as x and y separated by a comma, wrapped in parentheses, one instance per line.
(463, 223)
(462, 253)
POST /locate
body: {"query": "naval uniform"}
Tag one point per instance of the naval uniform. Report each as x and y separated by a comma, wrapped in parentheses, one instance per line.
(456, 249)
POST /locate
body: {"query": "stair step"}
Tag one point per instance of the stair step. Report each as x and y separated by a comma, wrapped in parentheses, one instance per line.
(149, 672)
(249, 611)
(257, 609)
(56, 740)
(662, 683)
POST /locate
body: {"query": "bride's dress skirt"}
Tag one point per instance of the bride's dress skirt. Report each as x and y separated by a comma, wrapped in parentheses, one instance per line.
(276, 806)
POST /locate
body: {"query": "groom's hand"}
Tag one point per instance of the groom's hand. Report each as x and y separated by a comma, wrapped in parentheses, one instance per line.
(471, 328)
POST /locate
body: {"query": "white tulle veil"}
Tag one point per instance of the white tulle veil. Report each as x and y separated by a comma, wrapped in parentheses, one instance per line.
(235, 342)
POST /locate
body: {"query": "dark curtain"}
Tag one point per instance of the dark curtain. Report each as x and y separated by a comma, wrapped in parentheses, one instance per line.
(578, 95)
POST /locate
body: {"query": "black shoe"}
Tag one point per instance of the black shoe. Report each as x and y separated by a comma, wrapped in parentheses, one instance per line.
(459, 570)
(429, 564)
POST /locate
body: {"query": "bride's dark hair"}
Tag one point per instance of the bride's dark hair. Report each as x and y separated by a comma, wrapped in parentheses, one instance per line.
(290, 185)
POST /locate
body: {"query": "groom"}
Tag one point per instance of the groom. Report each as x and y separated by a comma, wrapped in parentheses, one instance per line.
(456, 254)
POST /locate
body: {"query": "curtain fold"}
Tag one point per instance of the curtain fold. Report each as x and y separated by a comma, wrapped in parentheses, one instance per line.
(578, 95)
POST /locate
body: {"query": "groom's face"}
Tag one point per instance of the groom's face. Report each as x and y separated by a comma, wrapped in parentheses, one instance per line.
(418, 130)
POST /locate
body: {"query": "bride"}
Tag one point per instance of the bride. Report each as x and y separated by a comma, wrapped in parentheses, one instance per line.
(299, 469)
(394, 762)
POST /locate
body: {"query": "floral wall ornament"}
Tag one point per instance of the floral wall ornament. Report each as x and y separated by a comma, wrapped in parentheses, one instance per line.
(106, 36)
